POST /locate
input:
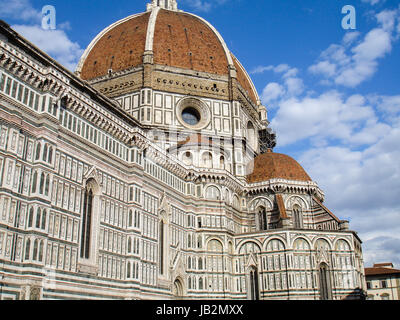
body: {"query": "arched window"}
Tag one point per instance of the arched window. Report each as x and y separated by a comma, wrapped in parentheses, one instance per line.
(35, 250)
(161, 246)
(207, 160)
(30, 218)
(50, 157)
(297, 217)
(130, 218)
(38, 214)
(45, 149)
(41, 186)
(213, 193)
(178, 288)
(263, 218)
(41, 251)
(86, 223)
(129, 245)
(44, 215)
(201, 284)
(222, 162)
(199, 242)
(200, 264)
(34, 182)
(187, 158)
(38, 148)
(236, 202)
(47, 185)
(324, 282)
(254, 286)
(128, 270)
(27, 249)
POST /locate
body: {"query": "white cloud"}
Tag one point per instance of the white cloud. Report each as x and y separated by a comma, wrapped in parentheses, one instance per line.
(204, 5)
(382, 249)
(261, 69)
(272, 92)
(389, 104)
(363, 186)
(373, 2)
(349, 64)
(282, 68)
(19, 9)
(324, 67)
(327, 116)
(292, 84)
(350, 37)
(295, 86)
(54, 42)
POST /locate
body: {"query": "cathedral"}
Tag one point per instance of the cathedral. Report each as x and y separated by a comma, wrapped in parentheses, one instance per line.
(149, 173)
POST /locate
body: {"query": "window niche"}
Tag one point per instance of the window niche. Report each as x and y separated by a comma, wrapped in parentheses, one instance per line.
(89, 228)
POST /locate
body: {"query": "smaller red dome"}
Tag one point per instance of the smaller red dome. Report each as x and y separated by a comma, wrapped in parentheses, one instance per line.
(272, 165)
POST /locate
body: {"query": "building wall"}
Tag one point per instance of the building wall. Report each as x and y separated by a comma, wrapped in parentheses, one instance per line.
(155, 232)
(377, 291)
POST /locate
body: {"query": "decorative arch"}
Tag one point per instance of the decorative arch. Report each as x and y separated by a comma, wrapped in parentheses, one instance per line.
(322, 240)
(275, 244)
(178, 288)
(260, 201)
(236, 202)
(207, 159)
(322, 251)
(213, 192)
(254, 292)
(222, 162)
(325, 283)
(297, 200)
(215, 245)
(187, 158)
(342, 244)
(90, 221)
(249, 246)
(297, 216)
(302, 247)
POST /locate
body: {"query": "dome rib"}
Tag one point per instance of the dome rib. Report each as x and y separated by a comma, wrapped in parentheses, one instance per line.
(151, 28)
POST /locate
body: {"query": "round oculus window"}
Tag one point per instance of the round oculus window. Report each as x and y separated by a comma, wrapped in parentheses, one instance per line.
(191, 116)
(193, 113)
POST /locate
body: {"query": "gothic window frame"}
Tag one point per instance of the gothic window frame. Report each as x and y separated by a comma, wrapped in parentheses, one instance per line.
(325, 282)
(88, 241)
(254, 283)
(297, 217)
(262, 214)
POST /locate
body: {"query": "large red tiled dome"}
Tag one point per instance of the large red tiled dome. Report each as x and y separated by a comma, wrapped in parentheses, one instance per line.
(272, 165)
(177, 39)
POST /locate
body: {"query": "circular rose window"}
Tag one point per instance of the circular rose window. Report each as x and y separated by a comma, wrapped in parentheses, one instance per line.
(192, 113)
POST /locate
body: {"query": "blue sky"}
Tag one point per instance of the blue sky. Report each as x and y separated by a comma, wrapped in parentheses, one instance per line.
(333, 95)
